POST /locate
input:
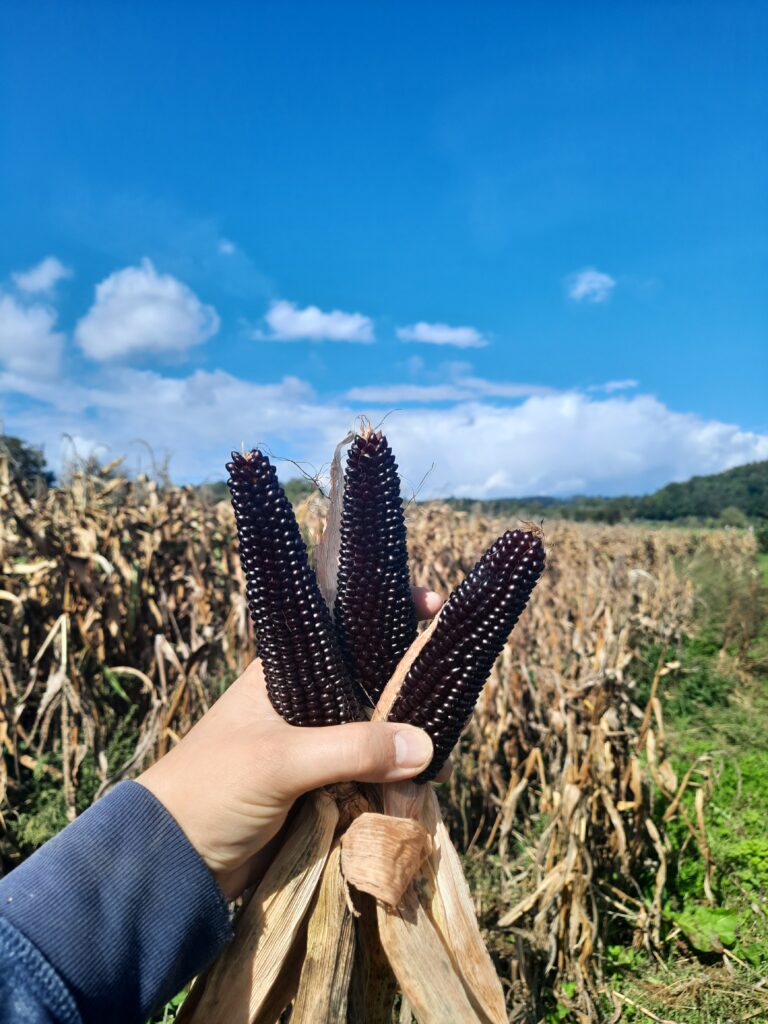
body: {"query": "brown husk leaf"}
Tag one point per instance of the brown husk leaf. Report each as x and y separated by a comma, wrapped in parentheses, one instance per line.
(238, 985)
(381, 855)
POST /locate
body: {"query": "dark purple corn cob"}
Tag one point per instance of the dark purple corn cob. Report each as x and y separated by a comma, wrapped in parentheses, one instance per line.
(374, 611)
(306, 677)
(441, 688)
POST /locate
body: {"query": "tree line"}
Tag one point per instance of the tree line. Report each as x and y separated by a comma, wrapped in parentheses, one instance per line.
(737, 497)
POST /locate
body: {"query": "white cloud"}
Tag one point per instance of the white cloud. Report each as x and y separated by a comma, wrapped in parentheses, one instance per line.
(590, 285)
(563, 444)
(502, 389)
(611, 386)
(225, 247)
(415, 365)
(29, 345)
(442, 334)
(287, 322)
(198, 419)
(460, 388)
(138, 310)
(397, 394)
(42, 277)
(557, 443)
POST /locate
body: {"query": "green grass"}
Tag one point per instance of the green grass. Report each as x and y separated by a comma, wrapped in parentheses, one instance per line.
(170, 1010)
(716, 703)
(43, 813)
(692, 992)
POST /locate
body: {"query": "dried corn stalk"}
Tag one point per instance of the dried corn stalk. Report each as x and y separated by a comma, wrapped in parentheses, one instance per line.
(146, 580)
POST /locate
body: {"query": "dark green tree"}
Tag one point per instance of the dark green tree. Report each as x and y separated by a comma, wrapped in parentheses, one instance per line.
(27, 462)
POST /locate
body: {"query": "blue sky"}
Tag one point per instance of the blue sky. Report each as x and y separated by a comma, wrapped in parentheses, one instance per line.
(533, 233)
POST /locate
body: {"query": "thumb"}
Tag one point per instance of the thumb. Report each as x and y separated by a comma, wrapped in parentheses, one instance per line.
(357, 752)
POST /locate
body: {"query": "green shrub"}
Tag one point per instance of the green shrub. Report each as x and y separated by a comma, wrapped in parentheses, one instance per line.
(696, 684)
(44, 815)
(748, 859)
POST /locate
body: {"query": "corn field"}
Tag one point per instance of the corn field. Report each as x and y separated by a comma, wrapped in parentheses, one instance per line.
(122, 616)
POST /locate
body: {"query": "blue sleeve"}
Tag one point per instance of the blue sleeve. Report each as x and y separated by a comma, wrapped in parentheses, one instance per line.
(110, 918)
(31, 992)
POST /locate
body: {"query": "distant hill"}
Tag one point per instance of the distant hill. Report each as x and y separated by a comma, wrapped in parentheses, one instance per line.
(733, 497)
(744, 488)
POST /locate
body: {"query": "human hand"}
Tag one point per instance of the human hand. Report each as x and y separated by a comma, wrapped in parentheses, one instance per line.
(232, 780)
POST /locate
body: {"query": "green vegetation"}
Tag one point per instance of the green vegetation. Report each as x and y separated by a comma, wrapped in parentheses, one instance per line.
(42, 811)
(716, 715)
(295, 489)
(26, 461)
(744, 489)
(735, 498)
(170, 1010)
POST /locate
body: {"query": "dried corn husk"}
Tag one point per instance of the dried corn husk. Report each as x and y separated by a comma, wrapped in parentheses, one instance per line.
(381, 855)
(323, 990)
(239, 984)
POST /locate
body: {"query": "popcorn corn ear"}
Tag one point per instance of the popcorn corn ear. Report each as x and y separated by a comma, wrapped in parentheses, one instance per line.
(374, 611)
(307, 680)
(441, 687)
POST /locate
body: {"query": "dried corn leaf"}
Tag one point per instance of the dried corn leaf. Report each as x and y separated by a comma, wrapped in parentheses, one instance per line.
(373, 988)
(453, 915)
(391, 690)
(326, 553)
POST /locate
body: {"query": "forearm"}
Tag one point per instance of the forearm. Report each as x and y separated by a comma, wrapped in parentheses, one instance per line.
(120, 906)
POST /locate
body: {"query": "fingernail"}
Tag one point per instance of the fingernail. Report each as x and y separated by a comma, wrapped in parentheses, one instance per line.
(413, 748)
